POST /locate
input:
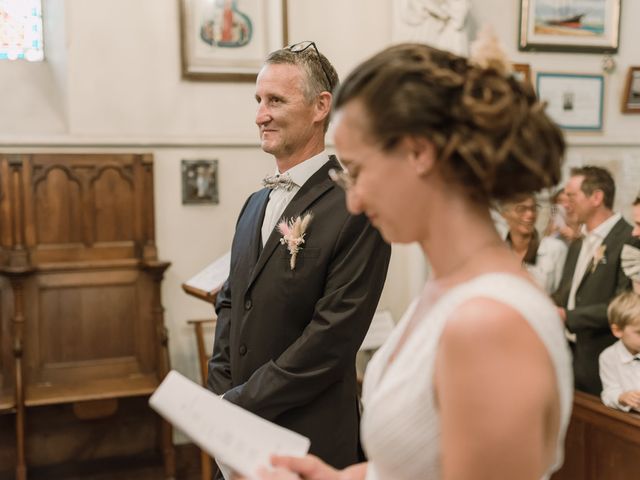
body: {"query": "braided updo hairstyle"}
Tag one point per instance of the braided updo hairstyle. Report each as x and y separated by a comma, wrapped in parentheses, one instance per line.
(491, 134)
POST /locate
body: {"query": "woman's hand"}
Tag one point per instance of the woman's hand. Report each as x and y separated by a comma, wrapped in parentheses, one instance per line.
(295, 468)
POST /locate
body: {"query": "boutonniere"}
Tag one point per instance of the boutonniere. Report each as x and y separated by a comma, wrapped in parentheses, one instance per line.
(599, 258)
(293, 233)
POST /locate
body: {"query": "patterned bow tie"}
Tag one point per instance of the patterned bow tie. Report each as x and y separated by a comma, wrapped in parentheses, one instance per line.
(275, 182)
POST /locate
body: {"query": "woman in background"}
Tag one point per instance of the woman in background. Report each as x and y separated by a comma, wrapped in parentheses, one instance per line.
(475, 382)
(562, 223)
(543, 257)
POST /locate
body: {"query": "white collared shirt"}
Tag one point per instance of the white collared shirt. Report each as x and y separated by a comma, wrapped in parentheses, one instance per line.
(620, 373)
(280, 198)
(550, 258)
(590, 243)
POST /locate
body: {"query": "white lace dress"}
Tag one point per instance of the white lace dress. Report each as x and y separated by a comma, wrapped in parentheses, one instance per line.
(400, 423)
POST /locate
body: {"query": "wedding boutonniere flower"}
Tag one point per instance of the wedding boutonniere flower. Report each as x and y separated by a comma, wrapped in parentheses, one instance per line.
(598, 257)
(293, 233)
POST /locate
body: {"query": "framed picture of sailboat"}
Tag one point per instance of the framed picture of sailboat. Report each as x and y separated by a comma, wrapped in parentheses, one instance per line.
(590, 26)
(228, 40)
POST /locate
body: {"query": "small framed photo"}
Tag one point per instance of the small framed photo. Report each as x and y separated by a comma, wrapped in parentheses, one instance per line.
(591, 26)
(199, 181)
(522, 71)
(631, 99)
(228, 40)
(574, 101)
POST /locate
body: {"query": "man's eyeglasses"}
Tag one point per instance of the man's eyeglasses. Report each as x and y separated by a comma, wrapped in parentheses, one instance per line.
(522, 209)
(301, 47)
(342, 178)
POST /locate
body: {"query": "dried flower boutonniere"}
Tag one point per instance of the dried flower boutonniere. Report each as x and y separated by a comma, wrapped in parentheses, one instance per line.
(598, 257)
(293, 233)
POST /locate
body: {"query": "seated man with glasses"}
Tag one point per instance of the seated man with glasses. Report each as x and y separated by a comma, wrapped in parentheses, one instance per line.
(542, 257)
(306, 276)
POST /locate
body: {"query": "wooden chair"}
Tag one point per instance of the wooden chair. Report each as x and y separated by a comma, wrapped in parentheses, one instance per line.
(207, 465)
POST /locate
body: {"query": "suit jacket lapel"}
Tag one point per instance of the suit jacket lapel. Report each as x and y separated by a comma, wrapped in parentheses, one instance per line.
(255, 220)
(315, 187)
(613, 234)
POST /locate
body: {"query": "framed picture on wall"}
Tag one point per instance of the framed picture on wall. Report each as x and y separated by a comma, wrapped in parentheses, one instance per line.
(570, 25)
(228, 40)
(574, 101)
(631, 98)
(522, 71)
(199, 181)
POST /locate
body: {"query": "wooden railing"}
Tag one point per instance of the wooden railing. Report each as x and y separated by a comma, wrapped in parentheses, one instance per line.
(602, 443)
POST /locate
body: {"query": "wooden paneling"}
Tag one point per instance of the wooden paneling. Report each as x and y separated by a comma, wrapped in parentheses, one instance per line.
(87, 316)
(57, 210)
(113, 206)
(57, 435)
(6, 390)
(80, 303)
(601, 444)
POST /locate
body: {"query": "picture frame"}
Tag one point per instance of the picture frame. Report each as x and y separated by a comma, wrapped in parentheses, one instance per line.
(631, 98)
(574, 101)
(569, 26)
(228, 40)
(199, 182)
(522, 71)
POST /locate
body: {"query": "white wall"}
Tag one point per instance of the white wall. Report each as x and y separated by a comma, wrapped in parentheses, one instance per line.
(112, 82)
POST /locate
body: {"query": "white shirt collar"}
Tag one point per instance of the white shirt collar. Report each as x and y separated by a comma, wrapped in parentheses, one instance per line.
(624, 355)
(304, 170)
(602, 230)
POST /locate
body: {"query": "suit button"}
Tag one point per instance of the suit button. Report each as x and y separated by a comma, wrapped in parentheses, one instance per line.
(248, 304)
(243, 349)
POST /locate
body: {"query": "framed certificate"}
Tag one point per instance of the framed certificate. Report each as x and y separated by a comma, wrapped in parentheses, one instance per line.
(574, 101)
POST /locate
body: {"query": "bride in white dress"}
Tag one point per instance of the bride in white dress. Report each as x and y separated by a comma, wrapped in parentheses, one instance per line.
(475, 382)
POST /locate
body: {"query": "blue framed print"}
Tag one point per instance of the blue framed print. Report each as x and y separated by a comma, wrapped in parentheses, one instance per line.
(574, 101)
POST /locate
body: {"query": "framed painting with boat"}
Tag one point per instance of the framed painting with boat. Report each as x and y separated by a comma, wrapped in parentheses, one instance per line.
(227, 40)
(590, 26)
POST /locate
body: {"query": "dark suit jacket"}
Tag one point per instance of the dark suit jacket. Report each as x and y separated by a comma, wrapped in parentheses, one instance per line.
(286, 340)
(588, 320)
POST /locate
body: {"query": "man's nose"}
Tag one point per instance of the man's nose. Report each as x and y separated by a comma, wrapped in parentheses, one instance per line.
(262, 114)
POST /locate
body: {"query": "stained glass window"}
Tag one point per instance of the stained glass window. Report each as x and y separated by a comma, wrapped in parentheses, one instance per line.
(21, 30)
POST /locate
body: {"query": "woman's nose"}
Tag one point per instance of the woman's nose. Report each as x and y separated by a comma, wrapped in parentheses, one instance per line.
(354, 202)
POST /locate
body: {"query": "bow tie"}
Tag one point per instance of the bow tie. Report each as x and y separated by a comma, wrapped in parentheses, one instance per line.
(274, 182)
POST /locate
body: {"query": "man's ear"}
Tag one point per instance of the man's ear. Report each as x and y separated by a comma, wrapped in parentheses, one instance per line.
(422, 154)
(597, 197)
(323, 105)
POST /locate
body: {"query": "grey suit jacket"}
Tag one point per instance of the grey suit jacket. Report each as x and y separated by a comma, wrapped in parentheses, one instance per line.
(286, 340)
(588, 320)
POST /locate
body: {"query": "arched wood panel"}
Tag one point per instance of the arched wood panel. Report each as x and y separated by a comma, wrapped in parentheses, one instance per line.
(58, 208)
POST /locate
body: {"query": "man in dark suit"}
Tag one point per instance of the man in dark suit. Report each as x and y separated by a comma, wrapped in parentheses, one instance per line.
(295, 308)
(592, 274)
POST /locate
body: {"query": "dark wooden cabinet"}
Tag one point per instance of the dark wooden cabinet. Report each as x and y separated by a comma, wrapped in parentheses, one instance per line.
(82, 320)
